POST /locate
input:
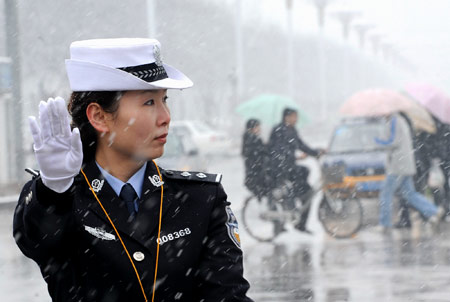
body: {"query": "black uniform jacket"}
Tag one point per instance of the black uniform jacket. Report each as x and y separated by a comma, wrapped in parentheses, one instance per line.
(283, 142)
(81, 257)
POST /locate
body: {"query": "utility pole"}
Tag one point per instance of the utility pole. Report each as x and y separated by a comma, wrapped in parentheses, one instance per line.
(290, 49)
(239, 52)
(321, 6)
(13, 51)
(346, 17)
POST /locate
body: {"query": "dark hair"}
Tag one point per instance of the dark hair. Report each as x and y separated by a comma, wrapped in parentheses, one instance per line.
(288, 111)
(78, 103)
(252, 123)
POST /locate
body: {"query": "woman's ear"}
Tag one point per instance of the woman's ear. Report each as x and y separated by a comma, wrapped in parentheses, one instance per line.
(97, 117)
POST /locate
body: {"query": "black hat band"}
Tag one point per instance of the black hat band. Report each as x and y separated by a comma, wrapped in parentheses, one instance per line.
(147, 72)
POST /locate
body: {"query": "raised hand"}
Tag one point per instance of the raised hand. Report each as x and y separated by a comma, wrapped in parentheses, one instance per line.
(58, 150)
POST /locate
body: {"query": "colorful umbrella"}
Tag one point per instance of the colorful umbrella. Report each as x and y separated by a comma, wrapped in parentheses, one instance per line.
(268, 108)
(432, 99)
(379, 102)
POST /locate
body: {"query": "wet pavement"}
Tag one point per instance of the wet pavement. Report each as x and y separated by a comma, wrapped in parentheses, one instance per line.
(370, 267)
(20, 278)
(407, 265)
(411, 265)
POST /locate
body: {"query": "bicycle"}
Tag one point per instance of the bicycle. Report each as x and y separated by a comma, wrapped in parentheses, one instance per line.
(341, 215)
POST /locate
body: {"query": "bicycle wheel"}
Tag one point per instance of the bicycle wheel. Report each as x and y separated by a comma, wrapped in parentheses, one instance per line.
(341, 218)
(262, 219)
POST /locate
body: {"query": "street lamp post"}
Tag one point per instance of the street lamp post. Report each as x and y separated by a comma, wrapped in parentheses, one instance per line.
(12, 48)
(290, 48)
(7, 142)
(239, 52)
(236, 77)
(345, 17)
(386, 50)
(321, 6)
(375, 39)
(361, 30)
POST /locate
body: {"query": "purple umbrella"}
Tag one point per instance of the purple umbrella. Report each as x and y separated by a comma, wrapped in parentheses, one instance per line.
(434, 100)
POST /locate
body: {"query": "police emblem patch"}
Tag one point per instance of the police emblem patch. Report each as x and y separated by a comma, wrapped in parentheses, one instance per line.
(232, 227)
(97, 185)
(156, 181)
(157, 55)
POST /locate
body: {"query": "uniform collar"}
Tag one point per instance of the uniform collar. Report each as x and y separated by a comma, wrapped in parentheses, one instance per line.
(149, 203)
(136, 181)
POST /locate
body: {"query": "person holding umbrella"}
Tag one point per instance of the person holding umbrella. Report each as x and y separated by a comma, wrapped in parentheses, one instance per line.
(400, 169)
(283, 144)
(101, 219)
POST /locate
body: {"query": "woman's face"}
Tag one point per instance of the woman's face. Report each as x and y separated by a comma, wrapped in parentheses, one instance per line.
(139, 127)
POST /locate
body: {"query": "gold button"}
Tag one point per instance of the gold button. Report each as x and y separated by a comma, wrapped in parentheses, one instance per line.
(138, 256)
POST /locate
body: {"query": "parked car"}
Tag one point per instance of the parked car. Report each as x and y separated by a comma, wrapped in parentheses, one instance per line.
(177, 157)
(355, 164)
(204, 138)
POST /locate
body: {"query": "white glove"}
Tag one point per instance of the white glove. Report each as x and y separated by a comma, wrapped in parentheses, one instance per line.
(58, 150)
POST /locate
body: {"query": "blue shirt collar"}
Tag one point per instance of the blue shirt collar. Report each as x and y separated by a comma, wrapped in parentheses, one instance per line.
(137, 180)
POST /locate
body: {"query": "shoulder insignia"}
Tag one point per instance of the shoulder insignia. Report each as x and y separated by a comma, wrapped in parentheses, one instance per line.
(232, 227)
(33, 172)
(194, 176)
(29, 197)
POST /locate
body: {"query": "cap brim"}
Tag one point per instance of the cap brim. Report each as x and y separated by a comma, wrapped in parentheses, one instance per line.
(88, 76)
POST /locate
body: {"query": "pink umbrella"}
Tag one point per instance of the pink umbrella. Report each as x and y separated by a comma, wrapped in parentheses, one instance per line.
(379, 102)
(431, 98)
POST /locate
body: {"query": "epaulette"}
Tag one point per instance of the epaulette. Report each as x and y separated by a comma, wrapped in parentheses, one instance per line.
(194, 176)
(33, 172)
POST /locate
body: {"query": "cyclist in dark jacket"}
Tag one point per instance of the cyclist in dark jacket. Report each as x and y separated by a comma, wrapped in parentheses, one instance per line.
(283, 144)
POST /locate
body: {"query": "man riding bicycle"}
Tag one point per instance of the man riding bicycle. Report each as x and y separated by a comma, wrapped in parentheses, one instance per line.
(283, 144)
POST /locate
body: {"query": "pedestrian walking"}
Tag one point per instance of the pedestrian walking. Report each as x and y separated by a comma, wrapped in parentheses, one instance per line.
(100, 218)
(400, 170)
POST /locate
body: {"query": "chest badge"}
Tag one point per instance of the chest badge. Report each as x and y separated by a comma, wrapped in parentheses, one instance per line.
(97, 185)
(156, 181)
(99, 233)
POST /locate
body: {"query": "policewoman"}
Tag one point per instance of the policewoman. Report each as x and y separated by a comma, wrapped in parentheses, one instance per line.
(100, 218)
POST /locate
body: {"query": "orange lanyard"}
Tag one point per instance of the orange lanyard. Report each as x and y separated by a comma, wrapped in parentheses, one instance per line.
(123, 244)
